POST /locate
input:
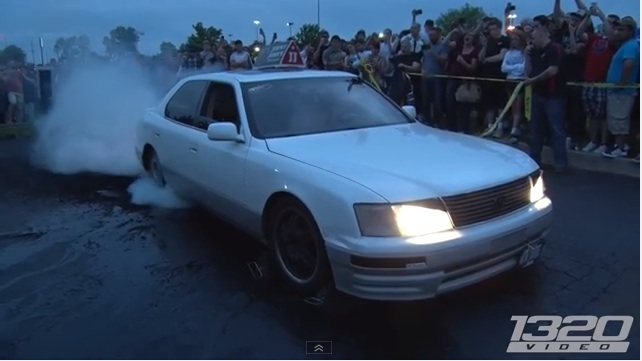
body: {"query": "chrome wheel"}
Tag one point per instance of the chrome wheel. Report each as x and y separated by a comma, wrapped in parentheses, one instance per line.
(296, 247)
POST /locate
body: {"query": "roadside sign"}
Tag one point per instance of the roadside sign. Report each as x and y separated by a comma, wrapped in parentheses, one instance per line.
(280, 54)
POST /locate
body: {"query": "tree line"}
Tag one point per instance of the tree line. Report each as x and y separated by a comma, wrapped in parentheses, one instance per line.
(125, 39)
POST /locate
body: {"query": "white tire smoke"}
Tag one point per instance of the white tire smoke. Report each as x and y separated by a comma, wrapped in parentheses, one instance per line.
(92, 125)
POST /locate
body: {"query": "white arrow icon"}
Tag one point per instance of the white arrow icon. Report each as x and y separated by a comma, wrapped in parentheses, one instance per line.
(318, 347)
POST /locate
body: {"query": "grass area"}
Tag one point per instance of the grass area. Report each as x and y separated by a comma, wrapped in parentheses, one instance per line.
(16, 130)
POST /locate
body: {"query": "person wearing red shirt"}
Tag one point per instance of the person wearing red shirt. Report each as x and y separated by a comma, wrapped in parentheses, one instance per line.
(600, 49)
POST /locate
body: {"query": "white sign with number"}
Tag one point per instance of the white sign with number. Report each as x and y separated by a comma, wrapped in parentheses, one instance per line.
(571, 334)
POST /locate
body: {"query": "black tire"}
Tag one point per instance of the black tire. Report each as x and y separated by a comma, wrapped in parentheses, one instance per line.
(154, 168)
(311, 272)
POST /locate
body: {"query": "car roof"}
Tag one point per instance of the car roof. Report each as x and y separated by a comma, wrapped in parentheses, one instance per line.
(254, 75)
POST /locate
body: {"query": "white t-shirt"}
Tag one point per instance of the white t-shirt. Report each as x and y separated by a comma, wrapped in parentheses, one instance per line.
(386, 50)
(424, 36)
(416, 45)
(239, 57)
(364, 54)
(207, 56)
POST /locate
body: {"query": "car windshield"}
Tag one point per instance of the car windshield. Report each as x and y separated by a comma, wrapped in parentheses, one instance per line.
(298, 106)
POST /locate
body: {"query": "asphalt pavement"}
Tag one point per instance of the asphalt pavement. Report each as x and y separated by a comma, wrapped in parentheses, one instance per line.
(84, 274)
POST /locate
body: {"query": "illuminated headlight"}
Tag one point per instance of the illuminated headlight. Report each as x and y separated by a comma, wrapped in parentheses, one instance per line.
(538, 190)
(379, 220)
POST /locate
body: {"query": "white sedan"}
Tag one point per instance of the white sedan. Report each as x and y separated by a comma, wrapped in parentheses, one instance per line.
(345, 188)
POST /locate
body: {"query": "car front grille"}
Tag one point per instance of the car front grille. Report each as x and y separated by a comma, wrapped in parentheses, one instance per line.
(479, 206)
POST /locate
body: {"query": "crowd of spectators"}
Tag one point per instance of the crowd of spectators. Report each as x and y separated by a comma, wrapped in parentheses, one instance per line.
(551, 53)
(462, 79)
(216, 55)
(564, 57)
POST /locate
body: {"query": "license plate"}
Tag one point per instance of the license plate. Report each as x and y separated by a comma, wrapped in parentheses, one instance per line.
(530, 254)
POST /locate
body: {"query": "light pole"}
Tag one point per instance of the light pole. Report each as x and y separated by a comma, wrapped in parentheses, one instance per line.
(319, 13)
(289, 25)
(257, 23)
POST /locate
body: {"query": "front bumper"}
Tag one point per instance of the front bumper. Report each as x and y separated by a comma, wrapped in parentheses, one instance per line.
(424, 267)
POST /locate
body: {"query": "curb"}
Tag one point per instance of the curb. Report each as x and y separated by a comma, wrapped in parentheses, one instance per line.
(16, 130)
(587, 161)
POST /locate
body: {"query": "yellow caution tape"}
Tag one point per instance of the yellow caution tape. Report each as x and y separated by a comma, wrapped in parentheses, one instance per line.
(528, 98)
(594, 85)
(504, 111)
(528, 92)
(367, 68)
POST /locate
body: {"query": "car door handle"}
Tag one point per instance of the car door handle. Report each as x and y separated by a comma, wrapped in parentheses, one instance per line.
(157, 134)
(193, 149)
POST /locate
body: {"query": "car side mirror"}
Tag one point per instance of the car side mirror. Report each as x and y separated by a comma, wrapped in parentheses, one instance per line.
(410, 110)
(224, 131)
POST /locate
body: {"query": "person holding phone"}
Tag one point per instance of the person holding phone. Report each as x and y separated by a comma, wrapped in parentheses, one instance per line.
(321, 47)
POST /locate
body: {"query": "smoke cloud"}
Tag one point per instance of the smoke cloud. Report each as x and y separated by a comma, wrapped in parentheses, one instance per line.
(145, 192)
(92, 124)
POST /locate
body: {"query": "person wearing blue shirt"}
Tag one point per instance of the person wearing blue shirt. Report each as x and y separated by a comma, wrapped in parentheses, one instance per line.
(624, 70)
(433, 59)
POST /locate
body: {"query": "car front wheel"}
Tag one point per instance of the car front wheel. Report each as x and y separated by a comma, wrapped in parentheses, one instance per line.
(298, 247)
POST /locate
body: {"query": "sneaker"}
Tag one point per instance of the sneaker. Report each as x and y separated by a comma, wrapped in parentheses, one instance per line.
(590, 147)
(599, 150)
(499, 132)
(636, 159)
(616, 153)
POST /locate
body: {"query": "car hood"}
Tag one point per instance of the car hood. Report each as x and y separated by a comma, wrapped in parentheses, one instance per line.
(410, 161)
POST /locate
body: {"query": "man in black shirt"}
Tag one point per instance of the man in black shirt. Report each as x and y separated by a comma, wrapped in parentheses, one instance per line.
(546, 76)
(490, 57)
(405, 62)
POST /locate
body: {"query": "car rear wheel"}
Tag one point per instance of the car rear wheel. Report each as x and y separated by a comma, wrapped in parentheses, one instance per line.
(298, 248)
(154, 168)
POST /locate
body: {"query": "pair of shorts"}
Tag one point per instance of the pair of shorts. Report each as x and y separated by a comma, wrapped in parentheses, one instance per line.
(15, 98)
(594, 100)
(510, 88)
(618, 113)
(493, 95)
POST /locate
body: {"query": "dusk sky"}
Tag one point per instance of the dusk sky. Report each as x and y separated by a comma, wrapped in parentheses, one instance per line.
(22, 21)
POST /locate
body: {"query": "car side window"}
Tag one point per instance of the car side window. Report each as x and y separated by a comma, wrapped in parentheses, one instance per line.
(219, 105)
(183, 106)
